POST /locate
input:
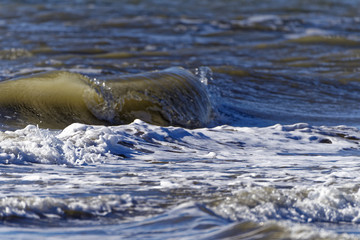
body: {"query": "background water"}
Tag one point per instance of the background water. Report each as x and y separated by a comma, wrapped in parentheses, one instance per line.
(255, 172)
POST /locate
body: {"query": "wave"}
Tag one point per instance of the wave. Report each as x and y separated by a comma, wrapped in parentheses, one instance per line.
(56, 99)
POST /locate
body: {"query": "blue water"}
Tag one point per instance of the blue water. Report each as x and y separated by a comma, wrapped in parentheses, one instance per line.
(278, 160)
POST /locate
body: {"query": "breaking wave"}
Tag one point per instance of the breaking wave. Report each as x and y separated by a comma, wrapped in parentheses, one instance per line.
(56, 99)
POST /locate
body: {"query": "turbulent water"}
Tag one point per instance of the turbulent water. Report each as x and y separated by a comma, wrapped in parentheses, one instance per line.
(154, 119)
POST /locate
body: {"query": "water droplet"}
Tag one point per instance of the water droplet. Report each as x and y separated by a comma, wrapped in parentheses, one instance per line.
(204, 74)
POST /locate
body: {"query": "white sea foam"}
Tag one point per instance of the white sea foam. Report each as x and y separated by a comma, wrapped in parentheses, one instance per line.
(80, 144)
(296, 174)
(36, 207)
(77, 144)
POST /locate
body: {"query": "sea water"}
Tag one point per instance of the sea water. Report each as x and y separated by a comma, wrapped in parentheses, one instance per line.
(277, 158)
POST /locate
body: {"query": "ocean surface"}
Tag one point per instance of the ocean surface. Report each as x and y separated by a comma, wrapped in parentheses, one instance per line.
(157, 119)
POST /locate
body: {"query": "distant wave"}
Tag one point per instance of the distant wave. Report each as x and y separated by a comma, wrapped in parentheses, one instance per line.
(56, 99)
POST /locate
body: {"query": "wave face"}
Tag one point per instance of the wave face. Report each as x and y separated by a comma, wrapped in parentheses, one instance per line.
(58, 98)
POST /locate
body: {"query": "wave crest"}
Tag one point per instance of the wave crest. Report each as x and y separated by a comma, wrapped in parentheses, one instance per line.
(56, 99)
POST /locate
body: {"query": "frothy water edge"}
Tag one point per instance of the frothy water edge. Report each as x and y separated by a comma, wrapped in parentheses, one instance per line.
(299, 178)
